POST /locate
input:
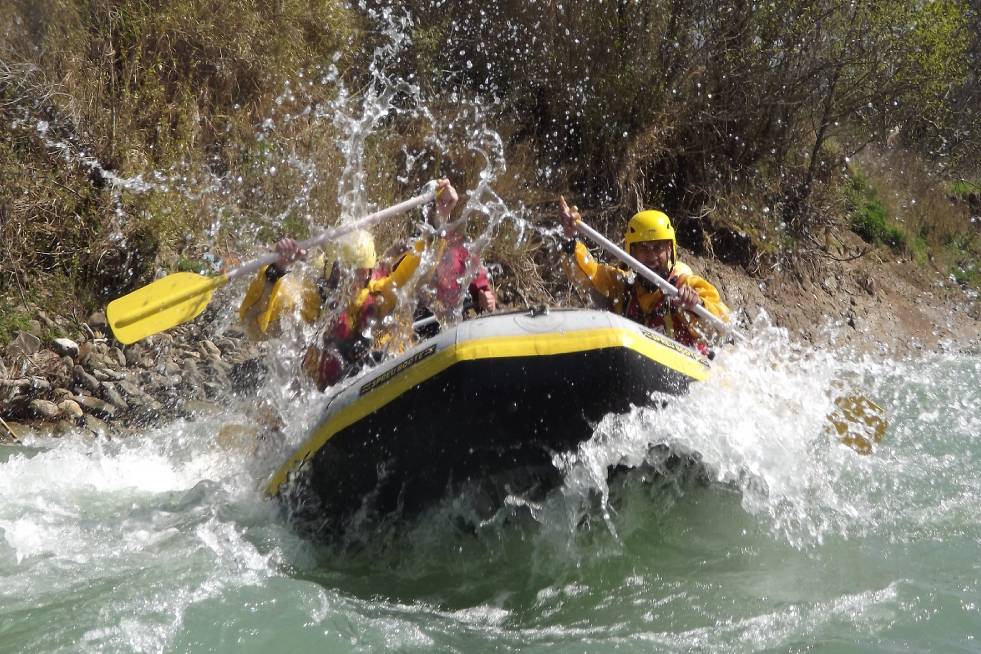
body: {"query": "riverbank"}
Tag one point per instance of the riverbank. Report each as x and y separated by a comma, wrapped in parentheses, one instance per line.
(63, 376)
(876, 303)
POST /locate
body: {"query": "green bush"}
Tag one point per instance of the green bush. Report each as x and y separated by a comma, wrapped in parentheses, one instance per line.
(869, 221)
(967, 274)
(869, 218)
(963, 188)
(12, 320)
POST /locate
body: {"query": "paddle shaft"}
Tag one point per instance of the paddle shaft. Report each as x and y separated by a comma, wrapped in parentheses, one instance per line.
(211, 283)
(321, 239)
(651, 276)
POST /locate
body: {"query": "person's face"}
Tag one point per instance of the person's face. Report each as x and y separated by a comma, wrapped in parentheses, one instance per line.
(656, 255)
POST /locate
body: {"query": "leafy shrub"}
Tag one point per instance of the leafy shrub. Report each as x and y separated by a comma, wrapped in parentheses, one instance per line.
(868, 217)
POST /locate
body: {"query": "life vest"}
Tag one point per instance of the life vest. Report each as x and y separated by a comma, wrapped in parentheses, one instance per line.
(661, 316)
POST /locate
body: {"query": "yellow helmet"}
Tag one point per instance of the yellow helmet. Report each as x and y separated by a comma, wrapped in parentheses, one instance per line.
(651, 225)
(355, 249)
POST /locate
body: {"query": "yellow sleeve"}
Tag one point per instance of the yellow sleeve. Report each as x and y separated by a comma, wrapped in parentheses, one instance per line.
(265, 303)
(706, 291)
(591, 275)
(710, 297)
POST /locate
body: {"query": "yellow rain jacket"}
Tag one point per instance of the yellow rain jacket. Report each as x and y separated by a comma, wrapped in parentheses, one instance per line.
(267, 303)
(637, 301)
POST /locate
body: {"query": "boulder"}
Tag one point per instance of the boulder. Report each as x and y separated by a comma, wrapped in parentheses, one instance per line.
(168, 367)
(95, 425)
(62, 428)
(118, 356)
(44, 409)
(23, 345)
(47, 322)
(65, 347)
(70, 409)
(130, 389)
(110, 393)
(60, 394)
(105, 374)
(206, 347)
(37, 386)
(85, 380)
(133, 355)
(97, 321)
(96, 406)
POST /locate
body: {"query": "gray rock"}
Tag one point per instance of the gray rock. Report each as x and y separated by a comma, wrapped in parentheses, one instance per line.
(23, 345)
(95, 405)
(168, 367)
(130, 389)
(44, 409)
(110, 393)
(65, 347)
(225, 344)
(3, 370)
(163, 339)
(62, 428)
(105, 374)
(145, 403)
(132, 355)
(70, 409)
(85, 380)
(60, 394)
(213, 389)
(867, 283)
(206, 347)
(97, 321)
(152, 379)
(118, 356)
(47, 322)
(95, 425)
(39, 385)
(34, 327)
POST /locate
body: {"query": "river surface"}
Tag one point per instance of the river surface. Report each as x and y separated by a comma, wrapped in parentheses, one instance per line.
(781, 540)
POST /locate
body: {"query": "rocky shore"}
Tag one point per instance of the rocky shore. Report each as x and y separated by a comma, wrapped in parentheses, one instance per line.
(61, 376)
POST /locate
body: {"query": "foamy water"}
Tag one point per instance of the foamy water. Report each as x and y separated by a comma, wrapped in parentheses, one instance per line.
(782, 536)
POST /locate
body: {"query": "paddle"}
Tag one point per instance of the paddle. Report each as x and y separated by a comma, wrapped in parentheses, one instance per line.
(180, 297)
(858, 421)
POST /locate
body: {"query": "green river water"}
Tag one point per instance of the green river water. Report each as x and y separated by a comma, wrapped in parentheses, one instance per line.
(782, 540)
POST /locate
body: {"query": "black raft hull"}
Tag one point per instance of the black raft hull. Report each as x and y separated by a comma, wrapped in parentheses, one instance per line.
(487, 399)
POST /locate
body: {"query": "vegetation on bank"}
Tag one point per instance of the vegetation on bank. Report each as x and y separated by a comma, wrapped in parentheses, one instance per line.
(759, 126)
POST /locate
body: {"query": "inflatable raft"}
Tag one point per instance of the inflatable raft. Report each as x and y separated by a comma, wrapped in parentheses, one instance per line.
(490, 396)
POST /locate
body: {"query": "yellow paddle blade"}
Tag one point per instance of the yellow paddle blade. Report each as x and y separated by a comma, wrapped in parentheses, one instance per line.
(859, 422)
(165, 303)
